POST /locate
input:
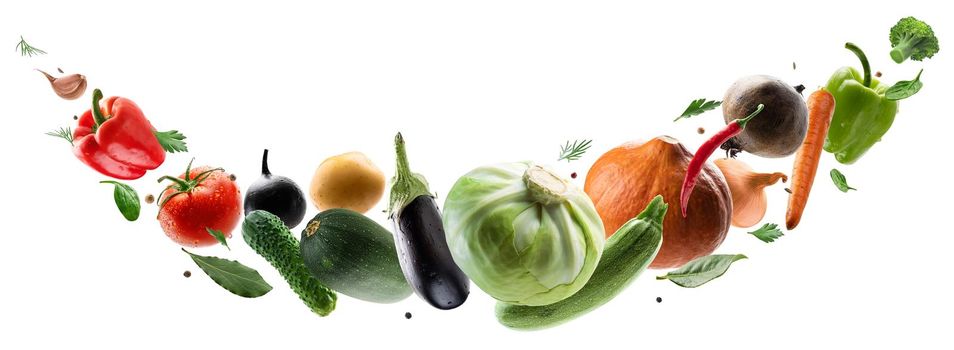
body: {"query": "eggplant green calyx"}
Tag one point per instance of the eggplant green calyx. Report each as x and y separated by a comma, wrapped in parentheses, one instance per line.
(405, 185)
(545, 186)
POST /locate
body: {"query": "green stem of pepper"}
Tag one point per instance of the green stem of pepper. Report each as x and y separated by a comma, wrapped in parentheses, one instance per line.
(864, 62)
(745, 120)
(98, 117)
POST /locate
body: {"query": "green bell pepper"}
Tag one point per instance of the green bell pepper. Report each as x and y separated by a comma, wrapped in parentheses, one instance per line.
(862, 113)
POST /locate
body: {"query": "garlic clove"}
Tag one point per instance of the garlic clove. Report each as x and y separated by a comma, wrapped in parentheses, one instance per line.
(68, 87)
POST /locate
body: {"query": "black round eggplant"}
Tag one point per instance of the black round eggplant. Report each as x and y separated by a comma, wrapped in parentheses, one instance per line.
(420, 240)
(425, 258)
(275, 194)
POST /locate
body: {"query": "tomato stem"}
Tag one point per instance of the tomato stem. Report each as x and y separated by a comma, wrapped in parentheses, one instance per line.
(182, 183)
(185, 184)
(188, 171)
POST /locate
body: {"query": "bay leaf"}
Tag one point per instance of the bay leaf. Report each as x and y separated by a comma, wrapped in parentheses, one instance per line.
(239, 279)
(699, 271)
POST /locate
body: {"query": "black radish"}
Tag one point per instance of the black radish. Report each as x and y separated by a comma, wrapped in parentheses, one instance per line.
(275, 194)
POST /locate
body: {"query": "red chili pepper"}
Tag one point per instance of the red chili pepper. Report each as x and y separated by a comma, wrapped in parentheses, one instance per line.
(115, 139)
(702, 155)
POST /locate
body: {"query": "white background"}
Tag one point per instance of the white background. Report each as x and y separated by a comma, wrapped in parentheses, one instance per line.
(467, 84)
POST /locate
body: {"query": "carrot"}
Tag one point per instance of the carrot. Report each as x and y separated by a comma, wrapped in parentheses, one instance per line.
(821, 106)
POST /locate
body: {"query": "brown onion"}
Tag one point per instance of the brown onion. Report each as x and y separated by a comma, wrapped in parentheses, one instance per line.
(624, 180)
(747, 187)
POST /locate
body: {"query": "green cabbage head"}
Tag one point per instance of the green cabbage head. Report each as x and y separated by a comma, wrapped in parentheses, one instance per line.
(522, 234)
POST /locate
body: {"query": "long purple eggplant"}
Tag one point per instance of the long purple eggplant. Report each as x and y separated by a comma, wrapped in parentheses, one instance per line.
(421, 244)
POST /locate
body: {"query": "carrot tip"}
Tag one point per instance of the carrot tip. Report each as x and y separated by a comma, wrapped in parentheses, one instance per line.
(790, 225)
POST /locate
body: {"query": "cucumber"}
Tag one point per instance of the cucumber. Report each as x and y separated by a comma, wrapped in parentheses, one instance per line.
(627, 253)
(269, 237)
(353, 255)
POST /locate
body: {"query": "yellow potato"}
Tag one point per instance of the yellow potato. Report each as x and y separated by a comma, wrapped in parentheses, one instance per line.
(348, 181)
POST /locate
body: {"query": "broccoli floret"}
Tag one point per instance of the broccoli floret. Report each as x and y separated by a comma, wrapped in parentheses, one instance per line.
(914, 39)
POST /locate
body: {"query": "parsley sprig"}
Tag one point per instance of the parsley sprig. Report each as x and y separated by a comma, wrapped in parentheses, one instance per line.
(697, 107)
(768, 233)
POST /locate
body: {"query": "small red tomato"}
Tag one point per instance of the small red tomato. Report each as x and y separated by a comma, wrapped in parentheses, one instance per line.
(199, 199)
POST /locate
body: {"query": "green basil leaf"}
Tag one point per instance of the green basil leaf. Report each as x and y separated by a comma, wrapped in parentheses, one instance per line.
(699, 271)
(232, 275)
(839, 179)
(219, 236)
(904, 89)
(768, 233)
(127, 200)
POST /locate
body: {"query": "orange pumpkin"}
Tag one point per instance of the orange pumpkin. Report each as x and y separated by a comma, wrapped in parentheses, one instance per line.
(624, 180)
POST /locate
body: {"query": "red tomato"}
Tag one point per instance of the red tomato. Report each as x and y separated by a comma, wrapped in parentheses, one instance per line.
(207, 198)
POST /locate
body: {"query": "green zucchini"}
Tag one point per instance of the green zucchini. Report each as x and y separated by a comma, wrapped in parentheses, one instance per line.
(353, 255)
(626, 254)
(269, 237)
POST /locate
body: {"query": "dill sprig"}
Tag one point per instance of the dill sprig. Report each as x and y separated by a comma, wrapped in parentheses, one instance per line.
(27, 50)
(63, 133)
(574, 151)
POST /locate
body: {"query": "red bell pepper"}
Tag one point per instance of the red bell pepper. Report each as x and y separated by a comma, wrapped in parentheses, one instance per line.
(116, 139)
